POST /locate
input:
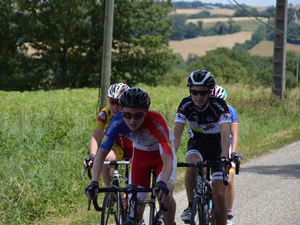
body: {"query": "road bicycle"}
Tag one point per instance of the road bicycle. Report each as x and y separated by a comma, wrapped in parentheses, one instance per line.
(128, 215)
(202, 205)
(114, 203)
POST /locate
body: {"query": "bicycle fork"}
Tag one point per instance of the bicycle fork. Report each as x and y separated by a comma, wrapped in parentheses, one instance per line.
(210, 206)
(198, 191)
(203, 192)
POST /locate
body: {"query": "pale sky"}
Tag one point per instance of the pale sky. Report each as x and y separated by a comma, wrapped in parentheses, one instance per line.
(247, 2)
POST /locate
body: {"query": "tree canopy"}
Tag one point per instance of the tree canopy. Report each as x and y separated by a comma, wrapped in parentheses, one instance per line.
(63, 41)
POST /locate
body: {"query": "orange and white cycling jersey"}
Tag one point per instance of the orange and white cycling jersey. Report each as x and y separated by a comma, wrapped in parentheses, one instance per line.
(104, 117)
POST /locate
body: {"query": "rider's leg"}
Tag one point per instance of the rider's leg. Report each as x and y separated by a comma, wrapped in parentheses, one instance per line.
(190, 174)
(170, 204)
(219, 201)
(140, 211)
(190, 181)
(229, 195)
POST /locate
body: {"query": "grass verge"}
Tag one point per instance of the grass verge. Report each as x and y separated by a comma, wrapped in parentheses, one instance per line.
(44, 138)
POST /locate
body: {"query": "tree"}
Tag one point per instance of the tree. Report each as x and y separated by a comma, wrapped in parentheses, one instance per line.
(182, 30)
(141, 33)
(8, 49)
(66, 39)
(293, 35)
(233, 66)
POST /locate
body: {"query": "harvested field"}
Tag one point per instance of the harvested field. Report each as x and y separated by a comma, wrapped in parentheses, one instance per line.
(223, 19)
(261, 8)
(200, 45)
(265, 48)
(215, 11)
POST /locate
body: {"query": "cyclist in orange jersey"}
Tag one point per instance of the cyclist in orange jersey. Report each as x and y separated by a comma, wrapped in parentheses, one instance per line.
(122, 147)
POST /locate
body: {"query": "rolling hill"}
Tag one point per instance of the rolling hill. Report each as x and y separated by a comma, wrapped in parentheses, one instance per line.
(200, 45)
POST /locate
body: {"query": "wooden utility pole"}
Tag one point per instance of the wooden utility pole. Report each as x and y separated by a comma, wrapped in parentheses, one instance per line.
(106, 51)
(297, 70)
(279, 66)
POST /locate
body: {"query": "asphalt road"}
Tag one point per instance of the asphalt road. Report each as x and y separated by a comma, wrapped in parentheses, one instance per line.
(267, 190)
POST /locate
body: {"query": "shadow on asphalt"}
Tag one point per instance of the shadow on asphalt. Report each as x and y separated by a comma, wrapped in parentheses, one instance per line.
(287, 171)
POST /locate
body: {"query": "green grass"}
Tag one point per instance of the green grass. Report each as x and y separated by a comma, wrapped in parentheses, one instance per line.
(44, 138)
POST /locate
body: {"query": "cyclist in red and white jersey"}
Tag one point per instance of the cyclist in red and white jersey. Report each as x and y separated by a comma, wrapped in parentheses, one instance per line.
(153, 148)
(220, 92)
(209, 122)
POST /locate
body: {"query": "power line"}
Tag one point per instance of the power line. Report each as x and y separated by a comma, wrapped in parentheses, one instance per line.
(261, 21)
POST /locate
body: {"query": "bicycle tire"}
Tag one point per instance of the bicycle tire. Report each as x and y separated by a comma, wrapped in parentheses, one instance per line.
(120, 214)
(107, 207)
(159, 219)
(197, 215)
(211, 219)
(210, 213)
(112, 209)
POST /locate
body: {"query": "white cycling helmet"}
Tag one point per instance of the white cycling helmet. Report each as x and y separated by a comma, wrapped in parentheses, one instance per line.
(116, 90)
(201, 78)
(219, 92)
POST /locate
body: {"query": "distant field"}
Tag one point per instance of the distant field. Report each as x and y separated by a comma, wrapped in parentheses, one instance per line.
(223, 19)
(200, 45)
(215, 11)
(265, 48)
(261, 8)
(249, 25)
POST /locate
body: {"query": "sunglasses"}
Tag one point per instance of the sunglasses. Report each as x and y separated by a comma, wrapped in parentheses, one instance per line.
(136, 116)
(113, 101)
(202, 93)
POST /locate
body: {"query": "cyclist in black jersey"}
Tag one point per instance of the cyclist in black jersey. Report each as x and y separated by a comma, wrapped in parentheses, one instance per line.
(209, 129)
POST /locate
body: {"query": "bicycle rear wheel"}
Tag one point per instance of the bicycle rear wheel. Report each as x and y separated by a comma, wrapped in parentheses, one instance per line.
(112, 209)
(197, 216)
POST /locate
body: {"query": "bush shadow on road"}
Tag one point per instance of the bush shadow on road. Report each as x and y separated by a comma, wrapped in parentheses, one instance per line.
(287, 171)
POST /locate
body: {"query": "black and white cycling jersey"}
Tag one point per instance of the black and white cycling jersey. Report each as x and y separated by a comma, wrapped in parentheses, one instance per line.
(205, 120)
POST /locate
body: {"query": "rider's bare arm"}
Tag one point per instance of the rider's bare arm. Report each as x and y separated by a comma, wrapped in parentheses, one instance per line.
(234, 136)
(178, 130)
(98, 164)
(225, 139)
(98, 134)
(167, 167)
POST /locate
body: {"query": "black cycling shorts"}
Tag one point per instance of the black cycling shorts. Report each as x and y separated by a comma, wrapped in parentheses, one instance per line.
(209, 147)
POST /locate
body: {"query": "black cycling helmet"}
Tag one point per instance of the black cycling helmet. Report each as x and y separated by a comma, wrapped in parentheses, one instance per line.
(201, 78)
(135, 98)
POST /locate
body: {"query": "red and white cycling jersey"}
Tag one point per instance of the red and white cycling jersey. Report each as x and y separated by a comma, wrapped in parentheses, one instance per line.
(154, 136)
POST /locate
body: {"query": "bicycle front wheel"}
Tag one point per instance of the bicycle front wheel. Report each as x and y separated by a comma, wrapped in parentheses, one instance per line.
(112, 209)
(197, 215)
(211, 219)
(158, 219)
